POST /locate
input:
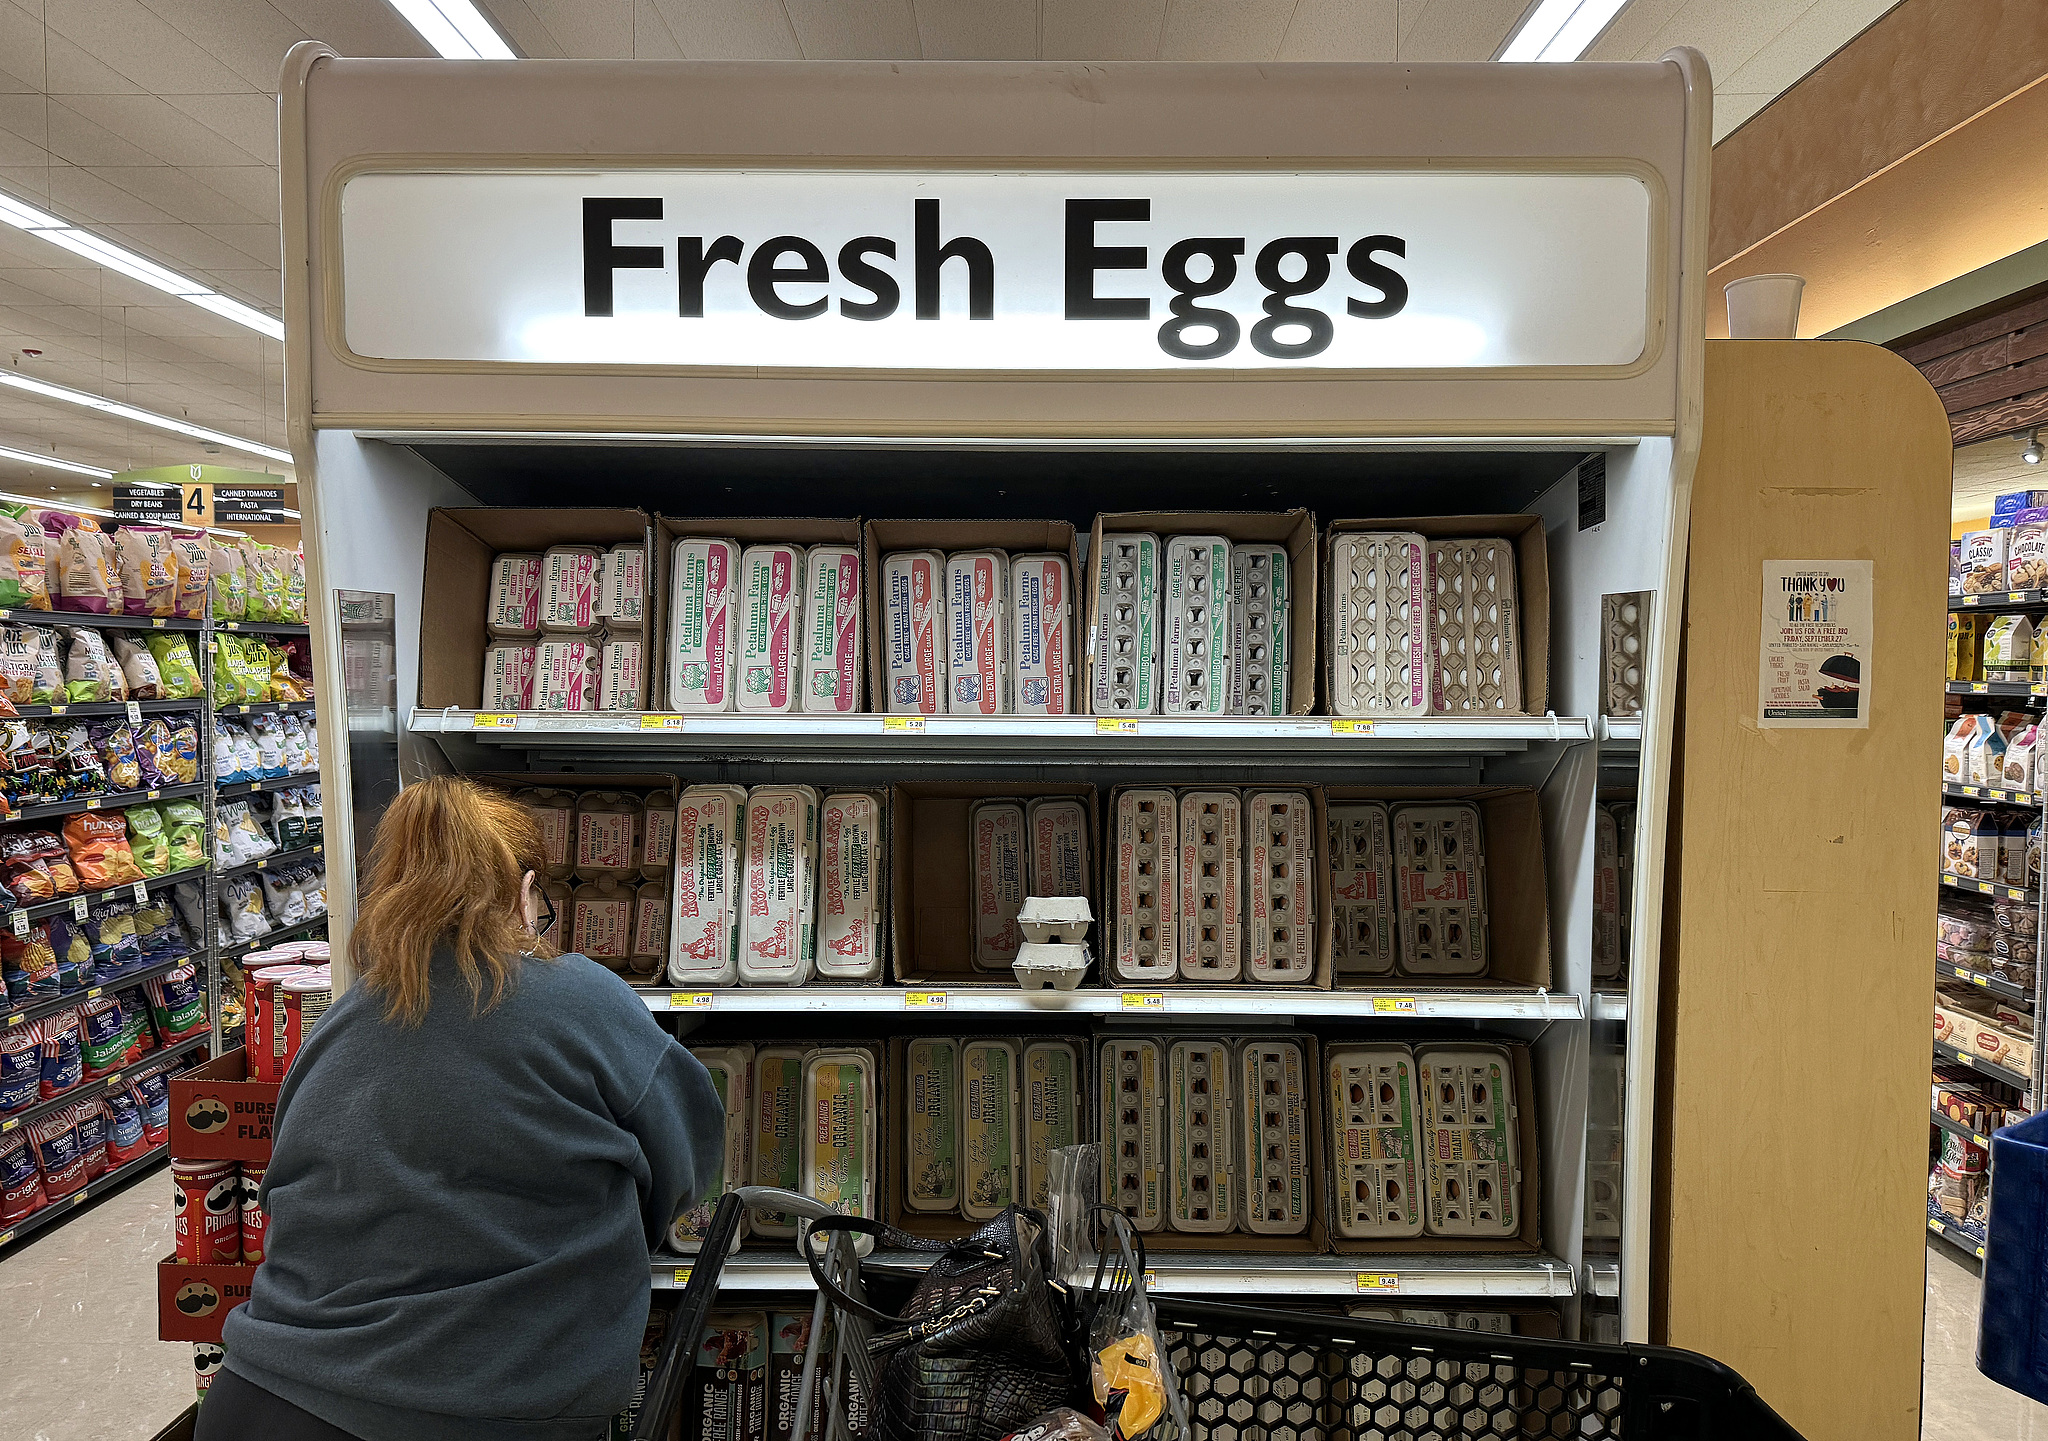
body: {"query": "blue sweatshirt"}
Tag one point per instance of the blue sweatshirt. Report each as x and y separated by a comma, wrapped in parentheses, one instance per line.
(460, 1214)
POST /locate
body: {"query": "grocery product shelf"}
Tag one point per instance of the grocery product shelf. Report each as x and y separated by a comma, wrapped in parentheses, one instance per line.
(1266, 1002)
(2012, 992)
(271, 938)
(119, 1176)
(1621, 730)
(1610, 1005)
(1950, 1232)
(1988, 1068)
(1603, 1278)
(109, 709)
(100, 622)
(1999, 600)
(228, 789)
(115, 893)
(1215, 1273)
(41, 1006)
(2026, 800)
(2015, 688)
(1957, 1128)
(1990, 888)
(263, 627)
(268, 707)
(275, 858)
(85, 1090)
(109, 801)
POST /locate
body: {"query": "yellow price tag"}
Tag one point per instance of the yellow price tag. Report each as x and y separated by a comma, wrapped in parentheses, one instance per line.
(6, 1126)
(1113, 726)
(482, 722)
(924, 1000)
(683, 1275)
(1144, 1000)
(1393, 1005)
(1350, 727)
(1379, 1280)
(1151, 1281)
(157, 623)
(908, 725)
(1979, 688)
(2016, 596)
(689, 1001)
(93, 804)
(661, 722)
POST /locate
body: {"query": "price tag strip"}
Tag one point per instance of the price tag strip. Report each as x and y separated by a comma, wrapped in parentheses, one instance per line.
(1351, 727)
(1114, 726)
(1379, 1281)
(924, 1000)
(1144, 1000)
(665, 723)
(1393, 1005)
(908, 725)
(483, 722)
(689, 1001)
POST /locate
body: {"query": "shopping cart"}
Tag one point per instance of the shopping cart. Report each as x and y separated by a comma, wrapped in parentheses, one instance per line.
(1251, 1374)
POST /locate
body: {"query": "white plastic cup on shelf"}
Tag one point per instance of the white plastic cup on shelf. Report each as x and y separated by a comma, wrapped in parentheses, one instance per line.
(1764, 307)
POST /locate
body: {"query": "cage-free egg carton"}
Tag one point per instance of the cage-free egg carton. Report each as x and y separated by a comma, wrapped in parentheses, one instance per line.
(1146, 942)
(1125, 639)
(1055, 1095)
(1272, 1106)
(1375, 1178)
(1280, 866)
(1200, 1120)
(1476, 662)
(1211, 885)
(1361, 852)
(1260, 602)
(1379, 624)
(1440, 882)
(1132, 1124)
(1473, 1146)
(1624, 633)
(1197, 651)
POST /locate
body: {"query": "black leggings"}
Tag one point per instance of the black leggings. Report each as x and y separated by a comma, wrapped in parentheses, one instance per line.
(239, 1410)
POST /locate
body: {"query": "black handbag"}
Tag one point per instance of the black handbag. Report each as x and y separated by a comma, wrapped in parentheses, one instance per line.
(981, 1347)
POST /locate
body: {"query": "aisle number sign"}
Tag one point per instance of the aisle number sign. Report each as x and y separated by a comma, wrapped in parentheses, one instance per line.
(1095, 271)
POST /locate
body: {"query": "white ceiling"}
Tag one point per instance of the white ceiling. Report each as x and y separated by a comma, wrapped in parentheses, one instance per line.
(152, 122)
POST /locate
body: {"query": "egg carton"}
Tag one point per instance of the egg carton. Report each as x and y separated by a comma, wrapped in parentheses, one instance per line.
(778, 912)
(1474, 1147)
(1476, 660)
(779, 1118)
(931, 1125)
(914, 632)
(1197, 656)
(703, 624)
(1200, 1120)
(995, 863)
(1211, 886)
(1260, 603)
(1361, 889)
(1606, 896)
(832, 602)
(1050, 965)
(731, 1069)
(1440, 883)
(1132, 1124)
(1280, 876)
(1041, 628)
(1057, 863)
(771, 624)
(1048, 920)
(1603, 1142)
(1124, 639)
(704, 927)
(1272, 1104)
(1624, 637)
(1054, 1098)
(978, 633)
(839, 1156)
(1379, 624)
(851, 868)
(1375, 1165)
(991, 1153)
(1147, 887)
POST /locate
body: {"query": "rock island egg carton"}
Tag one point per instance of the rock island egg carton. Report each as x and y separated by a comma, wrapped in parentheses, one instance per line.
(704, 926)
(1057, 863)
(850, 887)
(778, 934)
(996, 865)
(1211, 885)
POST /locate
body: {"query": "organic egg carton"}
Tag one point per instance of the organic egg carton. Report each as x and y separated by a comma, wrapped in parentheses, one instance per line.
(779, 1118)
(931, 1125)
(839, 1156)
(1147, 886)
(1361, 889)
(992, 1134)
(1476, 661)
(1624, 636)
(1124, 641)
(732, 1071)
(1440, 881)
(996, 846)
(1211, 886)
(1474, 1147)
(1132, 1124)
(1375, 1177)
(1200, 1120)
(1280, 867)
(1259, 612)
(1053, 1102)
(1273, 1111)
(1379, 624)
(1197, 655)
(978, 633)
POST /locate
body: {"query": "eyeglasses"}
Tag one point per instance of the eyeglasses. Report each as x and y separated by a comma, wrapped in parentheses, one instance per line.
(545, 921)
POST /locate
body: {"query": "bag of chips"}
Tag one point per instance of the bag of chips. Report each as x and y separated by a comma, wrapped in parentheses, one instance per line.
(102, 1040)
(24, 560)
(19, 649)
(89, 670)
(28, 964)
(76, 968)
(80, 771)
(149, 570)
(149, 840)
(268, 734)
(177, 670)
(21, 1068)
(156, 931)
(24, 869)
(182, 759)
(185, 834)
(153, 1090)
(294, 563)
(266, 580)
(55, 1139)
(241, 902)
(21, 1181)
(49, 689)
(98, 842)
(229, 581)
(84, 562)
(111, 932)
(190, 554)
(63, 1063)
(89, 1118)
(115, 741)
(127, 1137)
(139, 671)
(177, 1003)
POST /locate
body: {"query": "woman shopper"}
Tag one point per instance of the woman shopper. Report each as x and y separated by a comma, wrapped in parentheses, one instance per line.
(475, 1150)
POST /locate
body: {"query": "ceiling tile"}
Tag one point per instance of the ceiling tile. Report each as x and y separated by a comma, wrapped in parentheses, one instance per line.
(1223, 29)
(1635, 31)
(1814, 35)
(353, 27)
(1464, 30)
(75, 70)
(80, 141)
(165, 132)
(652, 39)
(25, 116)
(261, 243)
(1342, 30)
(730, 29)
(854, 29)
(249, 37)
(85, 199)
(133, 40)
(571, 29)
(970, 30)
(248, 122)
(183, 247)
(17, 150)
(189, 195)
(1101, 29)
(21, 47)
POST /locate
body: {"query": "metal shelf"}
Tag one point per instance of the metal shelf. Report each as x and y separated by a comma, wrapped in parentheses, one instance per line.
(1990, 888)
(1999, 600)
(41, 909)
(275, 858)
(2026, 800)
(85, 1090)
(2016, 689)
(100, 622)
(1957, 1128)
(268, 707)
(264, 627)
(1945, 967)
(228, 789)
(110, 709)
(59, 1210)
(1215, 1273)
(1621, 730)
(1603, 1279)
(1237, 1001)
(109, 801)
(1988, 1068)
(36, 1009)
(1610, 1005)
(271, 938)
(1950, 1232)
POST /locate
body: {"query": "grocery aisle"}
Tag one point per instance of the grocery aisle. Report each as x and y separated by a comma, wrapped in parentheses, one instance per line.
(78, 1325)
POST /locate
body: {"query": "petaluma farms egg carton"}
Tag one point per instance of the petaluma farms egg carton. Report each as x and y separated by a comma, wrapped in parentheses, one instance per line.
(1125, 628)
(1476, 662)
(1197, 653)
(1041, 630)
(978, 633)
(1131, 1124)
(1379, 624)
(1361, 859)
(703, 624)
(914, 632)
(1261, 602)
(832, 606)
(1440, 885)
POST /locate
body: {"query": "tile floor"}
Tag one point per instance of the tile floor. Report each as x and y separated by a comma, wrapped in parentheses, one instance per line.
(79, 1304)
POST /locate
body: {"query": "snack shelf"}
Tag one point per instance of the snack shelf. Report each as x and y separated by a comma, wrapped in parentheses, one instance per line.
(100, 622)
(268, 783)
(106, 709)
(85, 1090)
(1999, 600)
(1946, 967)
(1271, 1004)
(268, 707)
(275, 858)
(1988, 1068)
(2017, 688)
(42, 1006)
(1957, 1128)
(1215, 1273)
(2026, 800)
(271, 938)
(1949, 1231)
(1990, 888)
(263, 627)
(115, 1178)
(58, 907)
(110, 801)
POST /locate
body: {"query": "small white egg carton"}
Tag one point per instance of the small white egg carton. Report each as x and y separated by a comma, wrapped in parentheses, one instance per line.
(1049, 920)
(1050, 965)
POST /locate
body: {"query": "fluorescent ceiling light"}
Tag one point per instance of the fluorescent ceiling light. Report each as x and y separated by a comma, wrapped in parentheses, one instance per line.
(1560, 29)
(455, 29)
(140, 416)
(135, 267)
(29, 457)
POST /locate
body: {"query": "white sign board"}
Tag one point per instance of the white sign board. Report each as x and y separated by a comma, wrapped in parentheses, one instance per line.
(1085, 271)
(1814, 660)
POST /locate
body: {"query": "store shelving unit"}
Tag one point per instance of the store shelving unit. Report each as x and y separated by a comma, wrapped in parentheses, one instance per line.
(86, 1090)
(66, 1208)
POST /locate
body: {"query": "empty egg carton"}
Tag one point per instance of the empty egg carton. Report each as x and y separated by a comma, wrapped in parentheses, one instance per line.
(995, 838)
(1361, 889)
(1281, 929)
(1050, 965)
(1199, 1121)
(1055, 919)
(1211, 886)
(1147, 942)
(1132, 1124)
(1476, 661)
(1440, 882)
(1376, 1187)
(1379, 624)
(1197, 651)
(1474, 1148)
(1260, 602)
(1272, 1103)
(1624, 632)
(1125, 636)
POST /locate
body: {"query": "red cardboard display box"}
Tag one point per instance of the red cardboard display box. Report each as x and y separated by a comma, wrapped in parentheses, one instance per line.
(192, 1301)
(216, 1115)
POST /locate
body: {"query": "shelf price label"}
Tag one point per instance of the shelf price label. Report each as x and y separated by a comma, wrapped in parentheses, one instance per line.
(78, 908)
(1144, 1000)
(683, 1275)
(664, 723)
(689, 1001)
(2016, 597)
(904, 725)
(6, 1126)
(1350, 727)
(156, 623)
(1393, 1005)
(924, 1000)
(1151, 1280)
(482, 722)
(135, 712)
(1979, 688)
(1379, 1281)
(1115, 726)
(20, 929)
(141, 892)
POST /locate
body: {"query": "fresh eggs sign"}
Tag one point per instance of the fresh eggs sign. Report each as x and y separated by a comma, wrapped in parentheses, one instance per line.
(1087, 271)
